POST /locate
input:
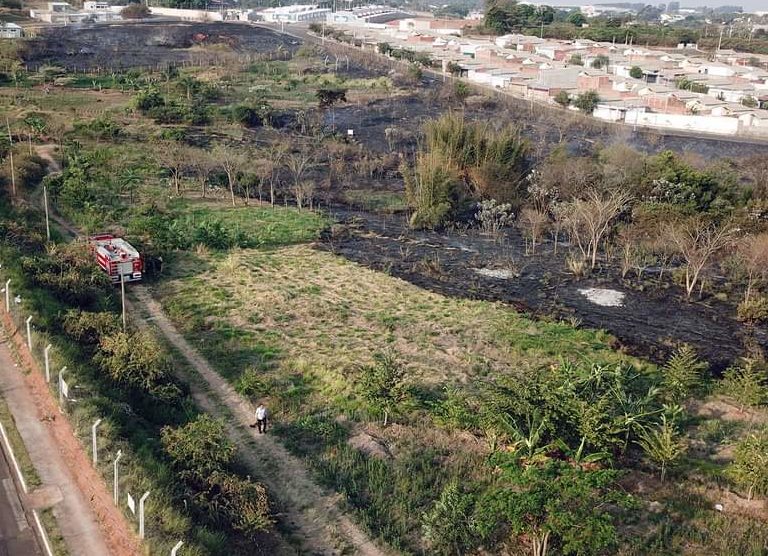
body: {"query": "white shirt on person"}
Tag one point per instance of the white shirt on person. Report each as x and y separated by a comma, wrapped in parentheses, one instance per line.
(261, 413)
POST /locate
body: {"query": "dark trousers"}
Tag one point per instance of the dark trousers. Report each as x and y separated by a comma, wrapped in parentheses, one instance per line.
(262, 424)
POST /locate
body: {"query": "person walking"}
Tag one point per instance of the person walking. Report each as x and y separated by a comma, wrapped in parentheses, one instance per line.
(261, 419)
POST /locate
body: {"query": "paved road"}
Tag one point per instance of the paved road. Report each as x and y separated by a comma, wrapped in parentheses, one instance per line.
(17, 537)
(47, 447)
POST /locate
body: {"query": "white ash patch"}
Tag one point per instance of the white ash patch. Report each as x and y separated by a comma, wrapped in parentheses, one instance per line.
(499, 273)
(604, 297)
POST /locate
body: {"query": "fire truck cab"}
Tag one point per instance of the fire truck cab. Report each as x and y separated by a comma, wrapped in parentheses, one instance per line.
(118, 258)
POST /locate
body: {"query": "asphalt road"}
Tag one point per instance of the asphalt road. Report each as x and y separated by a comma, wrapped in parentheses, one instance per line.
(17, 537)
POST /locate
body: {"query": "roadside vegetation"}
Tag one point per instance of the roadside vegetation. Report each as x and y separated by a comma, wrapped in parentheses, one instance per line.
(448, 425)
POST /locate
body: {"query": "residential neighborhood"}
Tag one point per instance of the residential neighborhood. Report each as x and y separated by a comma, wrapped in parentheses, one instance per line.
(724, 92)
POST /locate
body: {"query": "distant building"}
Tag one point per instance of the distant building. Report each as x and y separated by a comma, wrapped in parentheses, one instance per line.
(365, 15)
(91, 6)
(10, 31)
(64, 14)
(299, 13)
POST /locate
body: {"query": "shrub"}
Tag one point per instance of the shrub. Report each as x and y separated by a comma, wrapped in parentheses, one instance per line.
(749, 469)
(198, 448)
(587, 101)
(662, 444)
(446, 526)
(431, 188)
(89, 328)
(383, 384)
(135, 11)
(201, 452)
(137, 360)
(30, 170)
(682, 374)
(70, 274)
(493, 217)
(563, 98)
(250, 384)
(753, 310)
(746, 384)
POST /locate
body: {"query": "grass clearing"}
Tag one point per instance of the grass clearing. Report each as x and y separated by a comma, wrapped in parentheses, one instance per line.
(293, 325)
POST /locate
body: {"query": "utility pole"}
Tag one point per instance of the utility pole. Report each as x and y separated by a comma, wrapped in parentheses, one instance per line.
(10, 153)
(47, 221)
(720, 41)
(122, 295)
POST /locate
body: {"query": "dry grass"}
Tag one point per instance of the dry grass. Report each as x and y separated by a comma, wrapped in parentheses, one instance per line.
(326, 315)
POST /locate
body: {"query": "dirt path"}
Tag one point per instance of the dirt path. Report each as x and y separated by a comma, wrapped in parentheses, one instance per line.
(46, 153)
(318, 522)
(82, 505)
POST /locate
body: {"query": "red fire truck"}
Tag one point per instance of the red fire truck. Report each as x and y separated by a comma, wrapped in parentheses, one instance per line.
(117, 257)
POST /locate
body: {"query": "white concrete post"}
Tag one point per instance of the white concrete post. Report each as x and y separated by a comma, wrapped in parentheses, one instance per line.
(141, 514)
(61, 389)
(176, 548)
(47, 355)
(95, 449)
(29, 332)
(117, 478)
(8, 295)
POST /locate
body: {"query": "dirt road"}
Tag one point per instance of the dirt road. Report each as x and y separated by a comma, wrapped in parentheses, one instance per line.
(314, 515)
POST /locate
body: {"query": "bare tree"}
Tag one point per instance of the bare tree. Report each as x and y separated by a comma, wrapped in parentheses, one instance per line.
(753, 252)
(232, 162)
(534, 224)
(588, 219)
(305, 194)
(696, 240)
(276, 154)
(203, 165)
(299, 162)
(174, 157)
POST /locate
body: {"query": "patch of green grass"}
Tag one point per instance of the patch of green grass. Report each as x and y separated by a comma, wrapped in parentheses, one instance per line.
(58, 546)
(17, 444)
(260, 226)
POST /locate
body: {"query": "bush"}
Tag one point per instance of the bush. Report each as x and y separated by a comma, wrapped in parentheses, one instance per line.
(137, 360)
(446, 526)
(749, 469)
(135, 11)
(682, 374)
(431, 188)
(89, 328)
(198, 448)
(70, 274)
(30, 170)
(753, 310)
(201, 451)
(746, 384)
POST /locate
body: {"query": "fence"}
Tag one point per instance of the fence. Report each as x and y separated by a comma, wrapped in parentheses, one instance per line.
(63, 386)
